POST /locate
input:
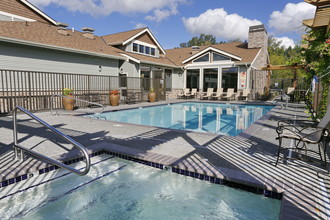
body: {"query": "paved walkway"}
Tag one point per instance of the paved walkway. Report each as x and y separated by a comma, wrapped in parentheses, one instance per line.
(247, 159)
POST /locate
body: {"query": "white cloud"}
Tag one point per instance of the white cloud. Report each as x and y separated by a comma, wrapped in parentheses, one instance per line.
(285, 42)
(140, 25)
(106, 7)
(220, 24)
(291, 17)
(159, 15)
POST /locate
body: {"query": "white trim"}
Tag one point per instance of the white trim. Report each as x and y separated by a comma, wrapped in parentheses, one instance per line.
(52, 47)
(255, 58)
(145, 45)
(131, 58)
(158, 64)
(215, 50)
(151, 35)
(209, 64)
(34, 8)
(16, 16)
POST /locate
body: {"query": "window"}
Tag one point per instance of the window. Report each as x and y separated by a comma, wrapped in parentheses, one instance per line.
(205, 58)
(230, 77)
(147, 50)
(153, 51)
(210, 78)
(219, 57)
(122, 80)
(141, 48)
(193, 78)
(135, 47)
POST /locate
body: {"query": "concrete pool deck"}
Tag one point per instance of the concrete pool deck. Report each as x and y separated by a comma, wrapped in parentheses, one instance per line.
(247, 159)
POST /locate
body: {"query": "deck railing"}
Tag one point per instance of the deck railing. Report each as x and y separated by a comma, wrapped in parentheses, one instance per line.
(33, 90)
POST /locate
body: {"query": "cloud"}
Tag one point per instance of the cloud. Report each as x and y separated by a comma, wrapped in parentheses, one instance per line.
(140, 25)
(285, 42)
(159, 15)
(291, 17)
(220, 24)
(106, 7)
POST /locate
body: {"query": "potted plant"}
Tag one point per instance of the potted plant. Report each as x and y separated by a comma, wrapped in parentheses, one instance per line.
(68, 102)
(152, 95)
(114, 97)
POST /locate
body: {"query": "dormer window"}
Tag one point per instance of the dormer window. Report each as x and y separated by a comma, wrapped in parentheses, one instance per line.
(141, 48)
(135, 47)
(205, 58)
(144, 48)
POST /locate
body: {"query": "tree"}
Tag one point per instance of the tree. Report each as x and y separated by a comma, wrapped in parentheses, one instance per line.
(202, 40)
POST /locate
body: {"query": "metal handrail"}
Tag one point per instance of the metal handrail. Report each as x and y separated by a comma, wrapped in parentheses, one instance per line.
(20, 149)
(80, 100)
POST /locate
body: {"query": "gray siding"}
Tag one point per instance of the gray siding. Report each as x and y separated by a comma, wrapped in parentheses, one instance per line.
(177, 81)
(131, 68)
(18, 57)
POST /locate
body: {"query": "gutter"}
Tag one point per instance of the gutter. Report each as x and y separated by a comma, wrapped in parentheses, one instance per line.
(159, 64)
(65, 49)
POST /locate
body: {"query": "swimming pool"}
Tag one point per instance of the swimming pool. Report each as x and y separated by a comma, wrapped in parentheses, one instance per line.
(120, 189)
(216, 118)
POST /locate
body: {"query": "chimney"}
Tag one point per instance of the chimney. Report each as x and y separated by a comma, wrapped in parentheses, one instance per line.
(62, 28)
(194, 49)
(258, 37)
(88, 32)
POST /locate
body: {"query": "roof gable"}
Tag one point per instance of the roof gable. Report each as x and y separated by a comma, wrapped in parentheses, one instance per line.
(201, 53)
(142, 34)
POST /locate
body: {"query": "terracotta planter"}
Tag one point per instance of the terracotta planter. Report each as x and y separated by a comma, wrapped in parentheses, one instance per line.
(114, 100)
(68, 104)
(152, 97)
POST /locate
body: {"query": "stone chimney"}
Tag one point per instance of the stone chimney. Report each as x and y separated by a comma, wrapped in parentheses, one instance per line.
(62, 28)
(88, 32)
(258, 37)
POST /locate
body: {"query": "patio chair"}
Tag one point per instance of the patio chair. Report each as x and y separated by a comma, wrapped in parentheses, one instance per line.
(290, 93)
(218, 95)
(184, 94)
(230, 94)
(303, 133)
(245, 94)
(193, 93)
(208, 93)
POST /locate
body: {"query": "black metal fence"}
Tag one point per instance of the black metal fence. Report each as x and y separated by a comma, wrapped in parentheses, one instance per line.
(33, 90)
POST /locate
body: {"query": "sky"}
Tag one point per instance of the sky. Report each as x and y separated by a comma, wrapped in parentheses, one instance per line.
(175, 21)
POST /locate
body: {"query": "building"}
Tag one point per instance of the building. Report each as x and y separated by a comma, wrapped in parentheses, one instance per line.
(32, 41)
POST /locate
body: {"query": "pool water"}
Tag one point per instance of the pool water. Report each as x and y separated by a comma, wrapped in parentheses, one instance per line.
(222, 119)
(120, 189)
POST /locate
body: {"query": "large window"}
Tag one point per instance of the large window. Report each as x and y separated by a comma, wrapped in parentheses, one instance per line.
(153, 51)
(205, 58)
(193, 78)
(210, 78)
(135, 47)
(230, 77)
(219, 57)
(141, 48)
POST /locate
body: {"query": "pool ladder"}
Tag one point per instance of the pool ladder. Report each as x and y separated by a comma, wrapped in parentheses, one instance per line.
(20, 150)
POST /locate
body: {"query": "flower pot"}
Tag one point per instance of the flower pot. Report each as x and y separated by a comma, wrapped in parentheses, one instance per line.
(114, 100)
(68, 104)
(152, 97)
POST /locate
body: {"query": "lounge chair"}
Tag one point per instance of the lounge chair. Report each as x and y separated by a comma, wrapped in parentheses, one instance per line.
(193, 93)
(218, 95)
(290, 93)
(230, 94)
(245, 94)
(208, 93)
(305, 134)
(184, 94)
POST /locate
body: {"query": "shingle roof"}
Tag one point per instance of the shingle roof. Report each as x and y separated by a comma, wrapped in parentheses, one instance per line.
(238, 49)
(119, 38)
(149, 59)
(38, 32)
